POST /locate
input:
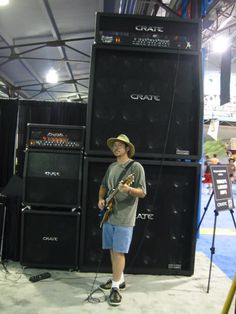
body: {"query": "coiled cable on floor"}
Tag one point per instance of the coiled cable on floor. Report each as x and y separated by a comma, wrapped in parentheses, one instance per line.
(90, 298)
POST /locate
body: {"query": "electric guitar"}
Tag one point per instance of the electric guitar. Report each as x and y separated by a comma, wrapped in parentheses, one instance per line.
(105, 213)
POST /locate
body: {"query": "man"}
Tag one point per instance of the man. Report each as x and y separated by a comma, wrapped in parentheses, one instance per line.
(231, 169)
(207, 174)
(214, 160)
(117, 231)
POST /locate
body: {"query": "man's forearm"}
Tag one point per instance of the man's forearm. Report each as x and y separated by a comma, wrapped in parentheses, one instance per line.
(137, 192)
(102, 192)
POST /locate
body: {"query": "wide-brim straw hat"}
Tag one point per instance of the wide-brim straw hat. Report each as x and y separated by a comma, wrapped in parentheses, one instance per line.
(123, 138)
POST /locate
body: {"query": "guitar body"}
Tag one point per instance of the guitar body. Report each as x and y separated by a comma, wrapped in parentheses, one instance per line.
(106, 212)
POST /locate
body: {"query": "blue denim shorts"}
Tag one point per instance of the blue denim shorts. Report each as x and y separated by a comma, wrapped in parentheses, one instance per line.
(116, 238)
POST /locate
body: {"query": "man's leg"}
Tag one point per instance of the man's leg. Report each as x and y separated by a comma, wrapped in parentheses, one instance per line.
(118, 265)
(111, 255)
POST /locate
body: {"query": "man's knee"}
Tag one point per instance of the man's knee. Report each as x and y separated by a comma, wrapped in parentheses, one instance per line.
(118, 254)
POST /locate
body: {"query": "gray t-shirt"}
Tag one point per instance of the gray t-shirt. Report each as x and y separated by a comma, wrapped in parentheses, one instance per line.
(124, 205)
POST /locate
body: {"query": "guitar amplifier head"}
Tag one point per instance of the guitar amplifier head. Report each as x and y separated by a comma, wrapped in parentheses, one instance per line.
(49, 136)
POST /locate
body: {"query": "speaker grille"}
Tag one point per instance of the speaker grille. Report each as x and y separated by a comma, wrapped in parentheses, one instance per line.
(52, 178)
(157, 93)
(49, 239)
(164, 235)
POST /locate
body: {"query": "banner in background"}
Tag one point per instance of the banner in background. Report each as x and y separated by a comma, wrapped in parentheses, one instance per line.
(213, 129)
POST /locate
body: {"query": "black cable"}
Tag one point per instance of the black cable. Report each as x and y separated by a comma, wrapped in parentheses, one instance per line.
(90, 297)
(5, 267)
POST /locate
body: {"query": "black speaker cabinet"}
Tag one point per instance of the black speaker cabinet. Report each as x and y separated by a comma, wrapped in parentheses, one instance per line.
(52, 178)
(50, 239)
(153, 96)
(165, 232)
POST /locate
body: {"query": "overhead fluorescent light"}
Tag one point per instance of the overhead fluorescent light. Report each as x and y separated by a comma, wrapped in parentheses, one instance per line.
(4, 2)
(220, 44)
(52, 76)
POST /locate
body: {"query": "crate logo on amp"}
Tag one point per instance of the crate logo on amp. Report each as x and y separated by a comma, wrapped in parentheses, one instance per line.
(48, 238)
(149, 28)
(144, 216)
(52, 173)
(141, 97)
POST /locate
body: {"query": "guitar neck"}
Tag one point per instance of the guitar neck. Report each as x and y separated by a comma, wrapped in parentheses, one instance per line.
(111, 196)
(128, 181)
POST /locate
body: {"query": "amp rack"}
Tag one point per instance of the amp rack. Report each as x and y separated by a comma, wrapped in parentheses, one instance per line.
(51, 136)
(148, 32)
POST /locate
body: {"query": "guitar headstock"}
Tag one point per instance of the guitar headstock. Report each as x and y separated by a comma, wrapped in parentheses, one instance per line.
(129, 180)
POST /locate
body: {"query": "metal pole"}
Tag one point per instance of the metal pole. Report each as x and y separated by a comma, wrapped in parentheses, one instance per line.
(212, 250)
(229, 298)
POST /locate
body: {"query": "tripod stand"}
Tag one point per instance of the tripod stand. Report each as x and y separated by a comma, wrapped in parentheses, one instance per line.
(212, 249)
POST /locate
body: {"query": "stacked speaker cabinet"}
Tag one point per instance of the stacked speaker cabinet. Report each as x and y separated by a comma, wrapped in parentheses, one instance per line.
(50, 239)
(52, 178)
(163, 241)
(52, 191)
(146, 82)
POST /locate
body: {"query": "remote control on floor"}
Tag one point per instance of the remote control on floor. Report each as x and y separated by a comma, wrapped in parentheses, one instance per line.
(39, 277)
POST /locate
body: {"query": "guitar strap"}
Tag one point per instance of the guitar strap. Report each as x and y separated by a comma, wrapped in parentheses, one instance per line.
(124, 172)
(106, 212)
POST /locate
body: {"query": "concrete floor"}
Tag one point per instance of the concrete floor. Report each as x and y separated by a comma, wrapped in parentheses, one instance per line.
(65, 292)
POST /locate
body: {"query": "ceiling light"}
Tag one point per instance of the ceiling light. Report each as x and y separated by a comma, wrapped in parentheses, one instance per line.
(52, 76)
(220, 44)
(4, 2)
